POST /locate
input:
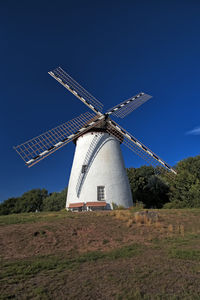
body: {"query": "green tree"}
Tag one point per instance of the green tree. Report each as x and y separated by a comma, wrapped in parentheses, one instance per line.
(30, 201)
(8, 206)
(185, 187)
(147, 187)
(56, 201)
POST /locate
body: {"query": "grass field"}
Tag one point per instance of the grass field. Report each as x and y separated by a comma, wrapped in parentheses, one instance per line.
(102, 255)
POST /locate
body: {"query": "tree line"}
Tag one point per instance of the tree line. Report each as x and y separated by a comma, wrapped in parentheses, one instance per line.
(149, 187)
(34, 201)
(156, 190)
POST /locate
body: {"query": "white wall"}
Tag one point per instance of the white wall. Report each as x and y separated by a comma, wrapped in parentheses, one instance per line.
(106, 169)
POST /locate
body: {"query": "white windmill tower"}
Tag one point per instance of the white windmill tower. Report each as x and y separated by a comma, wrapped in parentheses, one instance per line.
(98, 176)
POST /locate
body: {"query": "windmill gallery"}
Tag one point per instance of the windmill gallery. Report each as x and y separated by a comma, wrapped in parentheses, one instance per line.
(98, 177)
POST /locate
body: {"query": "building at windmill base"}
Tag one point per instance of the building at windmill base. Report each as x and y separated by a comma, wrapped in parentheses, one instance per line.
(98, 177)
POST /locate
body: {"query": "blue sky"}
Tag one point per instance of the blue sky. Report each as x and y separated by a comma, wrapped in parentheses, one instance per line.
(114, 49)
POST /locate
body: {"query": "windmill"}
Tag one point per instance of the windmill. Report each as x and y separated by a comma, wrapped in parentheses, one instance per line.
(98, 176)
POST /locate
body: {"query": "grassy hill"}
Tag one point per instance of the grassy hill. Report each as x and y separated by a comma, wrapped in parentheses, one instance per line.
(102, 255)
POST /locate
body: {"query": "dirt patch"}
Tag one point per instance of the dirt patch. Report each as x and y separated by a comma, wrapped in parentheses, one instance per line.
(88, 257)
(87, 232)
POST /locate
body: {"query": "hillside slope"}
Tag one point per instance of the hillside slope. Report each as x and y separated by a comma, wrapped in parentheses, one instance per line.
(102, 255)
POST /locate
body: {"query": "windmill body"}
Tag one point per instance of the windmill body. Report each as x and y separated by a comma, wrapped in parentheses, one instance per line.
(98, 178)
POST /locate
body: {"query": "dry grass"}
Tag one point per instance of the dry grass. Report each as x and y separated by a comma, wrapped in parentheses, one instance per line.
(101, 255)
(130, 222)
(181, 229)
(142, 219)
(170, 228)
(158, 225)
(137, 218)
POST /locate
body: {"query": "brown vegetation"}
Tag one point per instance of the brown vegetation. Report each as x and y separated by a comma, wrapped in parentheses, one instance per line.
(102, 255)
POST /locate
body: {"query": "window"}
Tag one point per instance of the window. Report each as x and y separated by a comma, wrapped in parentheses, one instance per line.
(100, 193)
(84, 168)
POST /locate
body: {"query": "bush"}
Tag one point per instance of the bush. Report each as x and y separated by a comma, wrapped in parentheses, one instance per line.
(55, 202)
(30, 201)
(185, 187)
(148, 188)
(117, 207)
(175, 204)
(34, 200)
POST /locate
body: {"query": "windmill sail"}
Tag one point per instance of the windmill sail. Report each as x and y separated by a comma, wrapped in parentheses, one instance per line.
(137, 147)
(45, 144)
(98, 176)
(126, 107)
(69, 83)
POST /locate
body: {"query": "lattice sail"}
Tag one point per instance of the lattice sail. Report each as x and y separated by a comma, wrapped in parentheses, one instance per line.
(69, 83)
(43, 145)
(126, 107)
(137, 147)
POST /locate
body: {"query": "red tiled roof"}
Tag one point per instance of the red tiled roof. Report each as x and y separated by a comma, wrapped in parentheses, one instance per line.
(80, 204)
(99, 203)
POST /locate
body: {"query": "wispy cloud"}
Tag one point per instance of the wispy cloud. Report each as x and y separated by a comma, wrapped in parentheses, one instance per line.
(195, 131)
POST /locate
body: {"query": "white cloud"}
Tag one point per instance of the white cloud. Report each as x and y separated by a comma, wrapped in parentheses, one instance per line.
(195, 131)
